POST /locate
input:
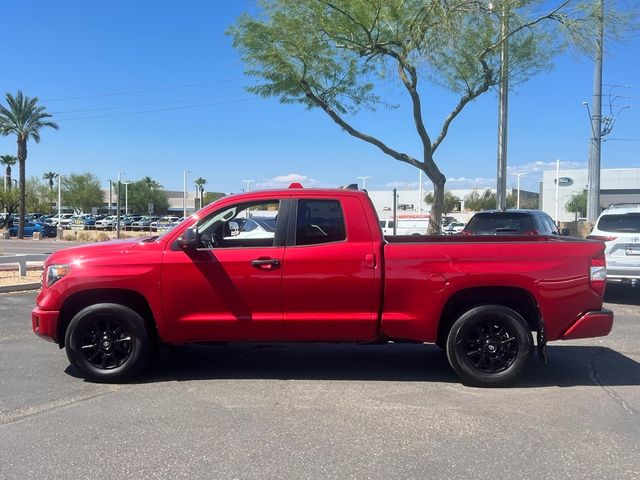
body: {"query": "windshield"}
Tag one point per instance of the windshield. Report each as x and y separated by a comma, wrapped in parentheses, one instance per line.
(626, 222)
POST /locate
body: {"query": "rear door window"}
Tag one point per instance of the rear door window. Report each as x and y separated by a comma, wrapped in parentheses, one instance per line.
(319, 221)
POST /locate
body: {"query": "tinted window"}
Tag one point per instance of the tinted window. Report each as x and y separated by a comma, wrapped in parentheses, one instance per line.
(319, 221)
(626, 222)
(500, 222)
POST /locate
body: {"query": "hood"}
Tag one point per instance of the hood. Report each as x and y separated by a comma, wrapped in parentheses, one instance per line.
(97, 250)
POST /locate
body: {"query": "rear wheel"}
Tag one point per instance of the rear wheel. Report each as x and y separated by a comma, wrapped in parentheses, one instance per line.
(107, 342)
(489, 346)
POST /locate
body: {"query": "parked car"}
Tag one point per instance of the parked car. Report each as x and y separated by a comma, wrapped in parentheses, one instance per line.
(453, 228)
(128, 220)
(511, 222)
(255, 227)
(164, 223)
(619, 228)
(144, 223)
(83, 222)
(55, 220)
(107, 223)
(31, 227)
(327, 275)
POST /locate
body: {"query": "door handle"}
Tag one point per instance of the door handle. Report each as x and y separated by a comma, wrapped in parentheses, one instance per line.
(266, 263)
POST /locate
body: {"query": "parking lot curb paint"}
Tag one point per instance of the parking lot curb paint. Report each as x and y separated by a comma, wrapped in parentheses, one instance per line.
(19, 287)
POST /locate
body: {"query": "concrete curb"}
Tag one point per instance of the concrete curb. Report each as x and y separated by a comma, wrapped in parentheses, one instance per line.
(20, 287)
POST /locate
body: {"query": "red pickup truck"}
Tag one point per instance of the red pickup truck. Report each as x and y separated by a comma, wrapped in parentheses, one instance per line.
(302, 265)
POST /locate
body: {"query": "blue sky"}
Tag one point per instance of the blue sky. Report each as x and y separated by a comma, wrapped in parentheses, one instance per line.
(155, 88)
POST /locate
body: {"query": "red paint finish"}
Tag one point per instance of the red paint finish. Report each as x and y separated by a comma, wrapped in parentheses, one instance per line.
(361, 288)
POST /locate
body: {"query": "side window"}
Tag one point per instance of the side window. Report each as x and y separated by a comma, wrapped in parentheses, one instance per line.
(319, 221)
(551, 227)
(242, 225)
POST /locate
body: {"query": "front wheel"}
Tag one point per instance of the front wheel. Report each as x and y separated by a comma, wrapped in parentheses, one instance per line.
(489, 346)
(107, 342)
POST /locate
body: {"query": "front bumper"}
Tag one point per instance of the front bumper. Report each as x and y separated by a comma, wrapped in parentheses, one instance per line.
(596, 323)
(45, 323)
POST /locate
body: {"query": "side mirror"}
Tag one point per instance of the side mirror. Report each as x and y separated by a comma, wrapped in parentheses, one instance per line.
(564, 232)
(190, 239)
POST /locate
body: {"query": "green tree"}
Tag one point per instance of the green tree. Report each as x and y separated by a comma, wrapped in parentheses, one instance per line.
(451, 202)
(23, 118)
(578, 204)
(9, 200)
(50, 177)
(210, 197)
(82, 192)
(37, 195)
(200, 183)
(7, 161)
(477, 202)
(332, 55)
(146, 191)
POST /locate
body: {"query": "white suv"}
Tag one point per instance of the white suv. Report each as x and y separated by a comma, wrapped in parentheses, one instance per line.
(619, 228)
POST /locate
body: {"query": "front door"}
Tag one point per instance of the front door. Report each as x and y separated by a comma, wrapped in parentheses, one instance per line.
(230, 289)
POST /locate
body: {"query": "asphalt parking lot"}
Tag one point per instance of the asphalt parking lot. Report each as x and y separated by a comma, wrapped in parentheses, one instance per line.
(321, 411)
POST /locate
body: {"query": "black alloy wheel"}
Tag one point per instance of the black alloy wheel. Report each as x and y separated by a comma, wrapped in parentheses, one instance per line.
(107, 342)
(489, 346)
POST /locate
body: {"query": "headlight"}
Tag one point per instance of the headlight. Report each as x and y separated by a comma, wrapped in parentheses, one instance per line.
(56, 272)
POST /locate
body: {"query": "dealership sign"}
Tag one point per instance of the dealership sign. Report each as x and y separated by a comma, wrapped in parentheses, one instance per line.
(564, 181)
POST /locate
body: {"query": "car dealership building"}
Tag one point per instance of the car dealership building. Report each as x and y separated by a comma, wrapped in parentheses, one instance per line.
(617, 185)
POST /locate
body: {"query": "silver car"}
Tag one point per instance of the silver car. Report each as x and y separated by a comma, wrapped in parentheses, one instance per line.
(619, 228)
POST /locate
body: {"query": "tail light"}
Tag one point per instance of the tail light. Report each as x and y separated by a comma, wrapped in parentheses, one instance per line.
(465, 232)
(602, 238)
(598, 274)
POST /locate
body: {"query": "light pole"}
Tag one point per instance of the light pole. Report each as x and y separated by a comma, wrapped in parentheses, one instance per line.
(557, 188)
(118, 205)
(364, 182)
(59, 229)
(518, 200)
(593, 196)
(248, 182)
(184, 193)
(503, 106)
(420, 192)
(126, 197)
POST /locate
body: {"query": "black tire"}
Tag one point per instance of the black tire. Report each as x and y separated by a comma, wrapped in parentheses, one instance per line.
(489, 346)
(107, 343)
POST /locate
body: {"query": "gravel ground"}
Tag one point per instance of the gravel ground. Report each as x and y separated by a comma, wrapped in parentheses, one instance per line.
(12, 277)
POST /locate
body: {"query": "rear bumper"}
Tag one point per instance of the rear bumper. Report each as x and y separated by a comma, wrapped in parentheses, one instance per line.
(45, 323)
(597, 323)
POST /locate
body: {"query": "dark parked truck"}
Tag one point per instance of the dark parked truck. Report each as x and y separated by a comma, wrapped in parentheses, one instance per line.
(323, 273)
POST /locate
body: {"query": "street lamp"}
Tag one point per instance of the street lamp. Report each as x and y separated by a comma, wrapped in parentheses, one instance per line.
(364, 182)
(59, 226)
(118, 205)
(126, 197)
(248, 182)
(518, 200)
(184, 193)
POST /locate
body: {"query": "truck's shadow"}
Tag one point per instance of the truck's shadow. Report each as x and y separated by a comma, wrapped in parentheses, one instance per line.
(568, 365)
(622, 295)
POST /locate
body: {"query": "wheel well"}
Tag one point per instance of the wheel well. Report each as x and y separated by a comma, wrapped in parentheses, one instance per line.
(83, 299)
(516, 299)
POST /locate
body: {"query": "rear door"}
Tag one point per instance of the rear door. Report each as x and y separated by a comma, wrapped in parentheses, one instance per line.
(329, 272)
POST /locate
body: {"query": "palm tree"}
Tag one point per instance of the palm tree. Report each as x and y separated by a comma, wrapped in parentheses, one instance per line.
(8, 160)
(24, 118)
(49, 176)
(200, 183)
(151, 183)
